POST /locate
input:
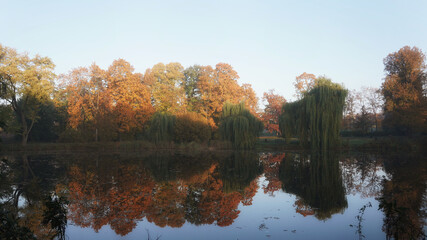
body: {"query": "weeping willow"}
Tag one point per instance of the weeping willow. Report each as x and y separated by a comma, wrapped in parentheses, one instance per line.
(316, 118)
(239, 126)
(161, 127)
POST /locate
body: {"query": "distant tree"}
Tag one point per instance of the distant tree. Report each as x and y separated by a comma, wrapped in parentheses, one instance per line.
(304, 83)
(374, 101)
(25, 84)
(405, 105)
(363, 121)
(272, 111)
(350, 109)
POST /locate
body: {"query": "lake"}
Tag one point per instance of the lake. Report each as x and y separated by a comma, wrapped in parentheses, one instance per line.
(214, 195)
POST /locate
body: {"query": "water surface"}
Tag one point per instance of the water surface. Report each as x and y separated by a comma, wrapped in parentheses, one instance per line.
(214, 195)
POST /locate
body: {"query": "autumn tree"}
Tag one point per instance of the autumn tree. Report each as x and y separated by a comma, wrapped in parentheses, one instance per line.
(131, 99)
(304, 83)
(272, 111)
(166, 84)
(405, 105)
(25, 83)
(219, 85)
(88, 102)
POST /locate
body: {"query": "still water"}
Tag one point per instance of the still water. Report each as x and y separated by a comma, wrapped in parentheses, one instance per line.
(213, 195)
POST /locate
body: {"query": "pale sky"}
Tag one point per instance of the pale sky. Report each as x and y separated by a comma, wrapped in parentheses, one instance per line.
(268, 43)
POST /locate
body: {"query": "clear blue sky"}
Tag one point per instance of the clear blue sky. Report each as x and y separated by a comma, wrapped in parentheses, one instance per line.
(268, 43)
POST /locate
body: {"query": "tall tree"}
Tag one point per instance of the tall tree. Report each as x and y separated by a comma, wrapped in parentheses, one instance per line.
(405, 105)
(272, 110)
(25, 84)
(374, 102)
(88, 102)
(131, 99)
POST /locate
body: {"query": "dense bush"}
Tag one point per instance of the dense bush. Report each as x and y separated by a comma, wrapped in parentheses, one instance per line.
(191, 127)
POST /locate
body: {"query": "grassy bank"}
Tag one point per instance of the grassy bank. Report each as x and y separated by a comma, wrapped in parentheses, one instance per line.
(383, 144)
(125, 146)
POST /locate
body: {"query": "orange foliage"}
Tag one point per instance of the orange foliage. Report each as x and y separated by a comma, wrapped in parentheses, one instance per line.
(190, 127)
(166, 85)
(219, 85)
(131, 99)
(304, 83)
(93, 204)
(271, 163)
(272, 111)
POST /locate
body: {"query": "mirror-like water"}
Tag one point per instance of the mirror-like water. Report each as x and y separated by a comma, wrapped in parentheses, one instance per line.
(215, 195)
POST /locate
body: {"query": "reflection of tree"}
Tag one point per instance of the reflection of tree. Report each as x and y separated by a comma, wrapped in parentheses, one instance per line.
(239, 170)
(362, 174)
(172, 189)
(316, 179)
(29, 207)
(271, 163)
(402, 197)
(119, 202)
(170, 167)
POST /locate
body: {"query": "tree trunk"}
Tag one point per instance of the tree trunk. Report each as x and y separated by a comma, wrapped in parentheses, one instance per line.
(24, 128)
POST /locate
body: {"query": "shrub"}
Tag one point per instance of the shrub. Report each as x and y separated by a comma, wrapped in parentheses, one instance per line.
(191, 127)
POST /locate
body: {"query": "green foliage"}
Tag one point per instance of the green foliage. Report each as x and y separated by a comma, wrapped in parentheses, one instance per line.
(239, 126)
(191, 79)
(161, 127)
(191, 127)
(316, 118)
(25, 83)
(45, 129)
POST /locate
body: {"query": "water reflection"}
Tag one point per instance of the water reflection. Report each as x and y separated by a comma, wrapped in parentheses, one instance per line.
(40, 195)
(403, 197)
(167, 190)
(317, 180)
(26, 212)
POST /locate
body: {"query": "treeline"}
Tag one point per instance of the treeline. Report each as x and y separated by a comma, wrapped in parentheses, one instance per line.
(167, 102)
(173, 103)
